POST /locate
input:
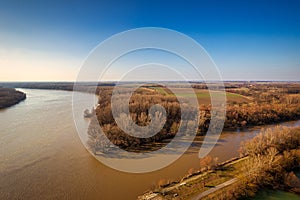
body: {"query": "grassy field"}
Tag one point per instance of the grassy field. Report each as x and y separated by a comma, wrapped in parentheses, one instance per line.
(204, 96)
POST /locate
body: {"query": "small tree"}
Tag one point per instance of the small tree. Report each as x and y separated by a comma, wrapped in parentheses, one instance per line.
(206, 162)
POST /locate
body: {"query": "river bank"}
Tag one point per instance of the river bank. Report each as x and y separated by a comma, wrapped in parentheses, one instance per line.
(210, 184)
(270, 162)
(198, 182)
(10, 97)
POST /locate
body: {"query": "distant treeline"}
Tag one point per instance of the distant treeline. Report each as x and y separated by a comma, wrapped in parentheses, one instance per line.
(10, 97)
(90, 87)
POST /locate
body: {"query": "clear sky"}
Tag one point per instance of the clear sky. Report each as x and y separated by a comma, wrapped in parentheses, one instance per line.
(248, 40)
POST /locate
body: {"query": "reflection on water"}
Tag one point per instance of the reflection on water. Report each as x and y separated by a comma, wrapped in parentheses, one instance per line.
(42, 156)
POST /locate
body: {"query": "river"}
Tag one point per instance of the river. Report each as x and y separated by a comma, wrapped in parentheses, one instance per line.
(42, 156)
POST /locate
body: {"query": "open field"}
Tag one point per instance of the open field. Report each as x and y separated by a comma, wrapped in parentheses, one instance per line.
(203, 95)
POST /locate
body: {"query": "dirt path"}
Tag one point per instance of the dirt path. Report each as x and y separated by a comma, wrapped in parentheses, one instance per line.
(207, 192)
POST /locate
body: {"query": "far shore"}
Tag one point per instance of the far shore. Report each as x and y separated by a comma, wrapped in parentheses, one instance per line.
(10, 97)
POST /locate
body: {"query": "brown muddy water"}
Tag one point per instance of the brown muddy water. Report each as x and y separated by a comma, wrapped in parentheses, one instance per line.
(42, 157)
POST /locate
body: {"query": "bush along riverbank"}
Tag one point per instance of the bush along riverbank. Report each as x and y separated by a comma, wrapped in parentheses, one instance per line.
(10, 97)
(273, 156)
(267, 162)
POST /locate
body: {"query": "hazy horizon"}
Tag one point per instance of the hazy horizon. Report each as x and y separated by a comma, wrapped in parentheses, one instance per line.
(114, 81)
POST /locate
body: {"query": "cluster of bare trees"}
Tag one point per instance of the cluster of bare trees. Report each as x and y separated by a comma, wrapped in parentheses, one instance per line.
(260, 113)
(279, 138)
(269, 92)
(139, 106)
(271, 104)
(273, 154)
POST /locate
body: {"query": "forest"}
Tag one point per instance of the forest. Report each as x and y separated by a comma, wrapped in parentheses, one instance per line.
(248, 104)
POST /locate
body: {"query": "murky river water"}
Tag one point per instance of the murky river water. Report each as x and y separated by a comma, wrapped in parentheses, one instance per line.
(41, 155)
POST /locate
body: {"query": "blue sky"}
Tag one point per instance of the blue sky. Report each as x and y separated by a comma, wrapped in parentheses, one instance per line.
(253, 40)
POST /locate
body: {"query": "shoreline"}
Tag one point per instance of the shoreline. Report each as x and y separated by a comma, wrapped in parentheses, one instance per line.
(165, 190)
(10, 97)
(169, 190)
(232, 178)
